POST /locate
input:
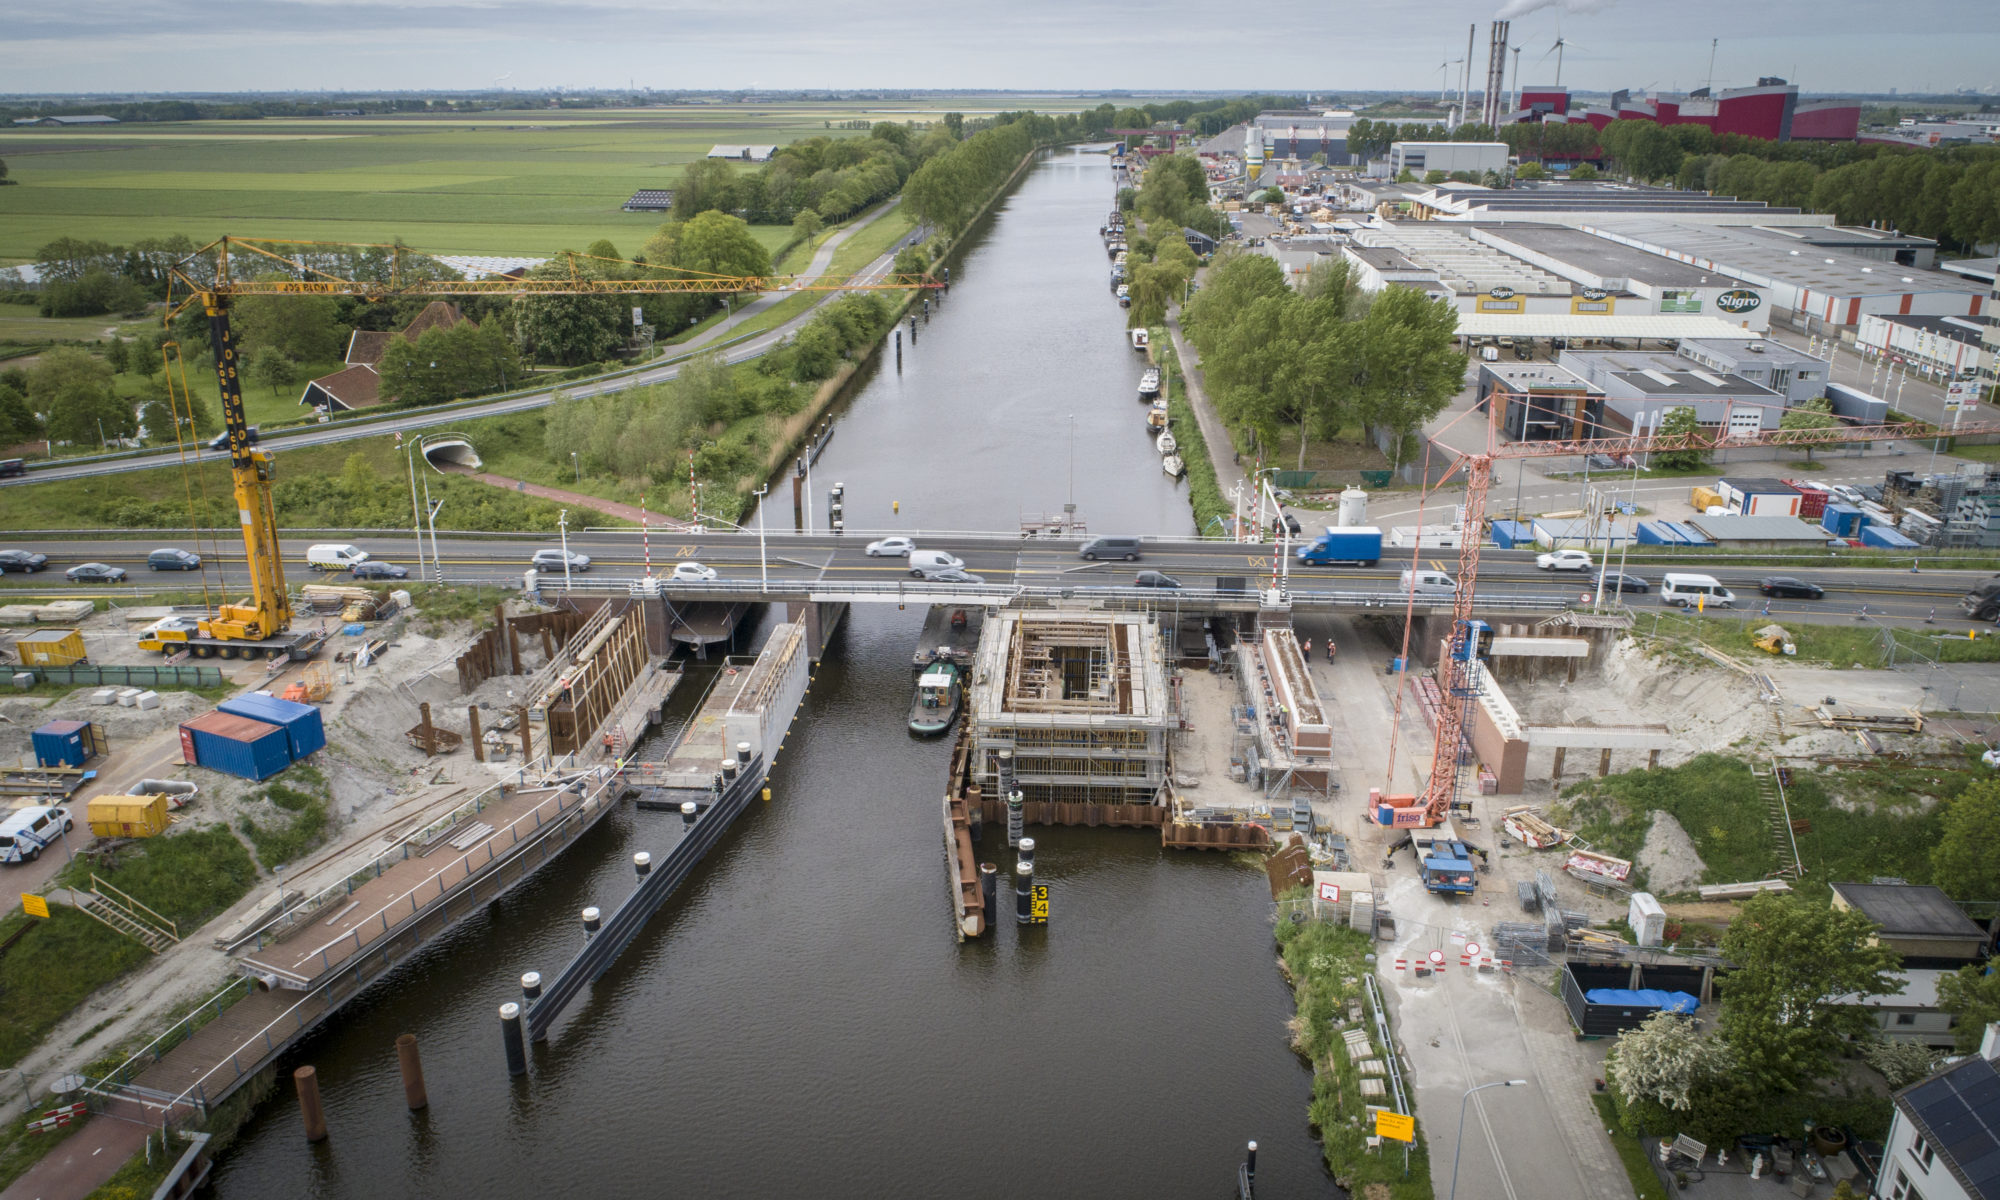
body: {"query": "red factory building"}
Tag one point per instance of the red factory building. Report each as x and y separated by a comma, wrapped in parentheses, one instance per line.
(1772, 111)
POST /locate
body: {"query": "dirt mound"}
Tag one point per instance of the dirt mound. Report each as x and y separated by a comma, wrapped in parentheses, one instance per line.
(1669, 858)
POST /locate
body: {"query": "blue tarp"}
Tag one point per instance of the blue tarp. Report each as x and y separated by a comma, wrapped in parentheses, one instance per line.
(1673, 1002)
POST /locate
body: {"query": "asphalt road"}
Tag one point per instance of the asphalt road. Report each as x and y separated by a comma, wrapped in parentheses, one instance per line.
(430, 419)
(794, 558)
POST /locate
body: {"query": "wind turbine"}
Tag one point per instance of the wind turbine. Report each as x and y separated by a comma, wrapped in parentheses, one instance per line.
(1444, 76)
(1556, 50)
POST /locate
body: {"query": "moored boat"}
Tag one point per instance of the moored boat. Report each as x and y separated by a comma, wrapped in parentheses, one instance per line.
(1173, 465)
(1149, 385)
(940, 694)
(1156, 417)
(1139, 338)
(1165, 443)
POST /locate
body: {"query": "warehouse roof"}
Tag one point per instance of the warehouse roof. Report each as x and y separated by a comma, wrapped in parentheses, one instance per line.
(1909, 909)
(1957, 329)
(1602, 257)
(1758, 529)
(1770, 254)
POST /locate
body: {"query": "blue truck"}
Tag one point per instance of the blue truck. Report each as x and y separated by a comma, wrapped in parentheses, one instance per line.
(1352, 545)
(1445, 861)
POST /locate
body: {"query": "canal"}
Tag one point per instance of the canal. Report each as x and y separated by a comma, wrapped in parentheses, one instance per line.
(799, 1019)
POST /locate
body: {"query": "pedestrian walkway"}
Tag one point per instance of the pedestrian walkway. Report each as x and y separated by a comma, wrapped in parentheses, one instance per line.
(1228, 472)
(822, 259)
(610, 508)
(86, 1159)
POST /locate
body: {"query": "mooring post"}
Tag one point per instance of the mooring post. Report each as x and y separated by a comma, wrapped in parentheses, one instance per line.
(527, 740)
(307, 1081)
(514, 647)
(989, 891)
(899, 349)
(429, 734)
(412, 1068)
(642, 864)
(975, 814)
(688, 809)
(1024, 886)
(478, 749)
(1250, 1162)
(592, 922)
(510, 1037)
(531, 989)
(500, 641)
(1014, 819)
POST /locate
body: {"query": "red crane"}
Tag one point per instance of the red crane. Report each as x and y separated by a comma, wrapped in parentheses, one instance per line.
(1458, 673)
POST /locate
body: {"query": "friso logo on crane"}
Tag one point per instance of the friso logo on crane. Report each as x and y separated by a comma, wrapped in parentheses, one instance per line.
(1738, 301)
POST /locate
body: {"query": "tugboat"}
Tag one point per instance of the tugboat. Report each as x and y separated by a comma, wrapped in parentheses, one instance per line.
(940, 693)
(1149, 385)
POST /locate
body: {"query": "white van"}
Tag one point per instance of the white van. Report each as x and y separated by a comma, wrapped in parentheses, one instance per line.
(1428, 583)
(28, 831)
(925, 563)
(333, 556)
(1686, 591)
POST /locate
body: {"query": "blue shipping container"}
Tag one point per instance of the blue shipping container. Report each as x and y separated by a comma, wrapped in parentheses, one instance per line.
(65, 744)
(1842, 520)
(234, 745)
(1884, 538)
(1509, 534)
(301, 722)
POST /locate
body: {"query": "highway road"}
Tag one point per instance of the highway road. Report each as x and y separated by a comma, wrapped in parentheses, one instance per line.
(1895, 594)
(338, 431)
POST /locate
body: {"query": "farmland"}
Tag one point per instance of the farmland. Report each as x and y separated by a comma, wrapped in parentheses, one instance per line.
(517, 182)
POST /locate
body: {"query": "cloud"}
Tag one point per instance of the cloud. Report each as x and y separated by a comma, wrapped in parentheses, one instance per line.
(1521, 8)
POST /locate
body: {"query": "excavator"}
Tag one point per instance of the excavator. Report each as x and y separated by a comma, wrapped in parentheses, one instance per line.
(260, 626)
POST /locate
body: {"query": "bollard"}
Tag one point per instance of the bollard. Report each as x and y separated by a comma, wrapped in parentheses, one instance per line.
(592, 921)
(743, 753)
(642, 863)
(989, 891)
(307, 1081)
(1014, 819)
(531, 989)
(688, 810)
(412, 1068)
(1250, 1162)
(728, 770)
(1027, 852)
(510, 1037)
(1024, 887)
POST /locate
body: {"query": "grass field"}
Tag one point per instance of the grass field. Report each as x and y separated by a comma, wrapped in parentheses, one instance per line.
(500, 182)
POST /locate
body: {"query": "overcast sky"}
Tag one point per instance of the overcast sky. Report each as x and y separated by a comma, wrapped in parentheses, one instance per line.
(158, 45)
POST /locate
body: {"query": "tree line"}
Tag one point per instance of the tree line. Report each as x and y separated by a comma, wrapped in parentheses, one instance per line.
(1321, 357)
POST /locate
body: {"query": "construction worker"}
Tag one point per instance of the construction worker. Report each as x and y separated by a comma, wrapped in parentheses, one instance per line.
(1308, 646)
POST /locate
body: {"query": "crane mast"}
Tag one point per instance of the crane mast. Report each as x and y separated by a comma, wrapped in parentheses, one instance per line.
(269, 611)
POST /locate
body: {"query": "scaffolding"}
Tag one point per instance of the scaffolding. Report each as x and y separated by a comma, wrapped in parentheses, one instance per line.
(1281, 736)
(1082, 701)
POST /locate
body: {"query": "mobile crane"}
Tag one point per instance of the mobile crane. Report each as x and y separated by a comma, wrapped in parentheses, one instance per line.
(1443, 858)
(261, 626)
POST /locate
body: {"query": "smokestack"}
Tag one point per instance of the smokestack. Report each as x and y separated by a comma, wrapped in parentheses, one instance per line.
(1496, 75)
(1465, 77)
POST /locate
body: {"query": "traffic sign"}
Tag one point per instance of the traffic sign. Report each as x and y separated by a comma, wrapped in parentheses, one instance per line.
(1437, 956)
(1472, 949)
(1330, 892)
(34, 906)
(1400, 1126)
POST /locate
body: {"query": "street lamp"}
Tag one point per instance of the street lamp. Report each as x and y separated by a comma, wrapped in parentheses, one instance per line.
(416, 446)
(562, 523)
(763, 564)
(1460, 1141)
(576, 465)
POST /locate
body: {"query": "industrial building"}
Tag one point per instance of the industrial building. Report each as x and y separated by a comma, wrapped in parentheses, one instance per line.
(1829, 275)
(1939, 347)
(1781, 368)
(1772, 111)
(1634, 281)
(1641, 387)
(1544, 402)
(1420, 157)
(1081, 701)
(1571, 202)
(1285, 134)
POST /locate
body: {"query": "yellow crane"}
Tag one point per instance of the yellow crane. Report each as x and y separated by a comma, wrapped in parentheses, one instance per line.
(211, 278)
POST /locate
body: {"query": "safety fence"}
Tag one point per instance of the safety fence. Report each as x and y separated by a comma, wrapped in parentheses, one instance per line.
(133, 676)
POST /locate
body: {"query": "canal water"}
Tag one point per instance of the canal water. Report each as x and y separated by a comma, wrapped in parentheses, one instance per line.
(799, 1019)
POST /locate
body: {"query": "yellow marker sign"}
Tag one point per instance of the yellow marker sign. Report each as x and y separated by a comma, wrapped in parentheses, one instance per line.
(1038, 905)
(1395, 1125)
(34, 906)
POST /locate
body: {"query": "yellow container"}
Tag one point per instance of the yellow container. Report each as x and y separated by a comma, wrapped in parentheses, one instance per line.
(128, 816)
(50, 648)
(1704, 499)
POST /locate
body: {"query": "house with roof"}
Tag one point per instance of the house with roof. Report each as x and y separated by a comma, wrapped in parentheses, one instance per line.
(1944, 1132)
(359, 384)
(1933, 937)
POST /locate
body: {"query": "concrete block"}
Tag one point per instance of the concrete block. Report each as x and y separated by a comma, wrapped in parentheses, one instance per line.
(64, 611)
(104, 696)
(23, 680)
(17, 614)
(147, 699)
(128, 697)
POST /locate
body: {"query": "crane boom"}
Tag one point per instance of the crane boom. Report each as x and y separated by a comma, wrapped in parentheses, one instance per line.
(1459, 671)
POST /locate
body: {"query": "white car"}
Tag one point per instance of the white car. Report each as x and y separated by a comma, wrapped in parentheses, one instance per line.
(691, 572)
(1564, 560)
(1844, 493)
(892, 547)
